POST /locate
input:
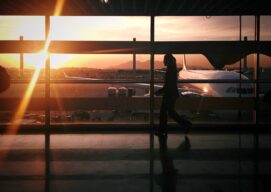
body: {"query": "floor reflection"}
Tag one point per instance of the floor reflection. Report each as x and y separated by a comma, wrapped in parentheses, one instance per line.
(168, 179)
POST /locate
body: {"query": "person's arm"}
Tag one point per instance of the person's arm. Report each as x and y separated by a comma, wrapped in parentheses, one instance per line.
(162, 90)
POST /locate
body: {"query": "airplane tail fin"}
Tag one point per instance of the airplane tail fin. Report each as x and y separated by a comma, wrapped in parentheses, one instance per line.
(184, 63)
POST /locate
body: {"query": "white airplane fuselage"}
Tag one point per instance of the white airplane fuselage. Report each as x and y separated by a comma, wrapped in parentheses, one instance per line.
(217, 89)
(203, 89)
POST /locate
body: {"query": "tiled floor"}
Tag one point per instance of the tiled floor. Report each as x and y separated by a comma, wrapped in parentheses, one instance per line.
(120, 162)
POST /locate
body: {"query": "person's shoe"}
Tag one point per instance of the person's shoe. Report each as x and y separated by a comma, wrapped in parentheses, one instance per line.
(186, 124)
(185, 145)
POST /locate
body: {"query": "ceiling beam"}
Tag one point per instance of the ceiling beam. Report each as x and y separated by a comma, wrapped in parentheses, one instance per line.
(139, 47)
(219, 53)
(185, 8)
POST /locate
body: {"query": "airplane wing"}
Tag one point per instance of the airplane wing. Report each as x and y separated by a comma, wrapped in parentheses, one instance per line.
(144, 86)
(77, 78)
(191, 92)
(184, 91)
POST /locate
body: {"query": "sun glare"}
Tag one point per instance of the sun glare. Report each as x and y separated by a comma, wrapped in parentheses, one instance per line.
(18, 117)
(36, 60)
(62, 60)
(28, 93)
(38, 63)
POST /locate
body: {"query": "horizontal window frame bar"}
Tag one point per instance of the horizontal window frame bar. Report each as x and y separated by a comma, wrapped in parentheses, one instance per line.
(123, 103)
(146, 82)
(138, 47)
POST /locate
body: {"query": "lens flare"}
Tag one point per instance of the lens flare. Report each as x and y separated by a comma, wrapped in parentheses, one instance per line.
(59, 6)
(27, 96)
(17, 119)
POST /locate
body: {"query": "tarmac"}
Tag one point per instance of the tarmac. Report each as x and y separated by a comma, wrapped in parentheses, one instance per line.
(121, 162)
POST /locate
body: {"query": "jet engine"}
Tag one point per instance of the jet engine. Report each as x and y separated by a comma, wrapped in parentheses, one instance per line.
(112, 91)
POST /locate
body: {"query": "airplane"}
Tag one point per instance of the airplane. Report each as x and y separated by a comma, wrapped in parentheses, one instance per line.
(197, 89)
(216, 89)
(77, 78)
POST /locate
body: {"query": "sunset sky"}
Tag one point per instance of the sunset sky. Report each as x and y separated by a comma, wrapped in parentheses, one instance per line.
(121, 28)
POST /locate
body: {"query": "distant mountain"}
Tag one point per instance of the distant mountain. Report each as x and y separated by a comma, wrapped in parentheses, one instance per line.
(139, 65)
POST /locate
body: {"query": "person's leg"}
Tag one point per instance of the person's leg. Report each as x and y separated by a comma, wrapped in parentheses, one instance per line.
(184, 123)
(185, 145)
(163, 117)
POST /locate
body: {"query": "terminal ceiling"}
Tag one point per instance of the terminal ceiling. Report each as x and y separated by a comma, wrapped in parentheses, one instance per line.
(138, 7)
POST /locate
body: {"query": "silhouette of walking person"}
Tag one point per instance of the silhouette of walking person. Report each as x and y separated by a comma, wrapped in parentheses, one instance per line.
(170, 94)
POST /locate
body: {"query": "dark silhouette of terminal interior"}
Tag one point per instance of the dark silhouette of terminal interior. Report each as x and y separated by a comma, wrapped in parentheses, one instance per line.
(98, 147)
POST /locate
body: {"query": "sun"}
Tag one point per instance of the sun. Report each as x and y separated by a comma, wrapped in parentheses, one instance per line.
(36, 60)
(61, 60)
(205, 89)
